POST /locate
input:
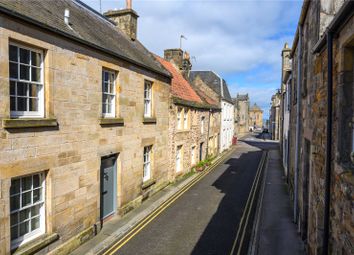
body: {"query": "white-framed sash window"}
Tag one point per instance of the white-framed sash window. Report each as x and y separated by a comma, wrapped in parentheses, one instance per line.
(147, 163)
(185, 119)
(179, 118)
(26, 81)
(202, 125)
(179, 158)
(193, 155)
(108, 94)
(147, 98)
(27, 208)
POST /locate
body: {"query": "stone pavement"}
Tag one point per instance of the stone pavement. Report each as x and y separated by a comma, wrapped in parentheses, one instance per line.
(275, 232)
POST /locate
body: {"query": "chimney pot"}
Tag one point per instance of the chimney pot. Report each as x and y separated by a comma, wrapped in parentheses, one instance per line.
(129, 4)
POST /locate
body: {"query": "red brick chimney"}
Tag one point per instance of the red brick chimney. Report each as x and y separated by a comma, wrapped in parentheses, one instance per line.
(126, 20)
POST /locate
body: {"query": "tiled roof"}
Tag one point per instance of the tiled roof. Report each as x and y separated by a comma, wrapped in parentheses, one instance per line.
(211, 79)
(86, 26)
(180, 87)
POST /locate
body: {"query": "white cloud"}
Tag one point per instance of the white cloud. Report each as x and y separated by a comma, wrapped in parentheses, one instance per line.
(228, 36)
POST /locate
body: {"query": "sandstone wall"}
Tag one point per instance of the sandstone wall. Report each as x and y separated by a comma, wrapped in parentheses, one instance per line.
(70, 154)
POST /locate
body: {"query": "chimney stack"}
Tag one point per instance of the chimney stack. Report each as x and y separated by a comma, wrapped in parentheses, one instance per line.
(180, 59)
(126, 20)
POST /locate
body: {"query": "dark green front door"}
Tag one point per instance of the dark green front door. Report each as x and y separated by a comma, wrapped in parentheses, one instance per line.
(108, 186)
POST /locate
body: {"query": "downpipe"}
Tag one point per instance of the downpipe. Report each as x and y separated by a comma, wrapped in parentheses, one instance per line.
(327, 198)
(298, 119)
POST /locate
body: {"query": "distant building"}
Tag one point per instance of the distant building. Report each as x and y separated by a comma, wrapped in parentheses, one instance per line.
(275, 116)
(255, 117)
(242, 107)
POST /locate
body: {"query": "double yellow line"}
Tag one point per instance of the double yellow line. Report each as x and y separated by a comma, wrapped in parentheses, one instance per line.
(143, 223)
(248, 209)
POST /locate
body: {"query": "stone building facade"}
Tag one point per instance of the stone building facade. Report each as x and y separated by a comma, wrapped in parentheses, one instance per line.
(255, 117)
(274, 117)
(193, 121)
(213, 84)
(321, 139)
(285, 98)
(242, 105)
(84, 124)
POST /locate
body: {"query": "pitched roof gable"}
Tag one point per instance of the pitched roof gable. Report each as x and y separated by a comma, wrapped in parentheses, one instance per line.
(180, 87)
(213, 80)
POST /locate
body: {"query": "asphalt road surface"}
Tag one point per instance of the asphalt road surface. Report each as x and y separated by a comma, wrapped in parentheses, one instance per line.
(205, 219)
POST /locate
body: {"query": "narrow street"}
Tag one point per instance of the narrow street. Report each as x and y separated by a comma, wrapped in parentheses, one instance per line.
(206, 218)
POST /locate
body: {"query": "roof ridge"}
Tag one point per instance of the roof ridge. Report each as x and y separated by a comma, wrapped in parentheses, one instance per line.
(89, 8)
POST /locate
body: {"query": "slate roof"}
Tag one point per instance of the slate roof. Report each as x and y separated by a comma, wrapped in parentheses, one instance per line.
(87, 26)
(180, 87)
(213, 80)
(242, 97)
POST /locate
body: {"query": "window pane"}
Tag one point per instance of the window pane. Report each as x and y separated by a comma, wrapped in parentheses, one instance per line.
(21, 104)
(109, 108)
(22, 89)
(13, 71)
(26, 198)
(111, 88)
(26, 183)
(14, 219)
(33, 104)
(24, 228)
(24, 72)
(104, 108)
(33, 90)
(13, 53)
(34, 223)
(25, 214)
(105, 87)
(37, 195)
(36, 59)
(12, 88)
(106, 76)
(35, 210)
(15, 187)
(36, 181)
(15, 202)
(14, 233)
(110, 99)
(24, 56)
(36, 74)
(105, 99)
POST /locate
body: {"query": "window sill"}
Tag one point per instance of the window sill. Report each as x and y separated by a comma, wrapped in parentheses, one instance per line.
(37, 244)
(148, 183)
(112, 122)
(29, 123)
(149, 120)
(183, 130)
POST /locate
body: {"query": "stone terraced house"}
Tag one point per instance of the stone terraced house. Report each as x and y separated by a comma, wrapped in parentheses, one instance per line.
(84, 111)
(321, 139)
(216, 87)
(194, 119)
(242, 105)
